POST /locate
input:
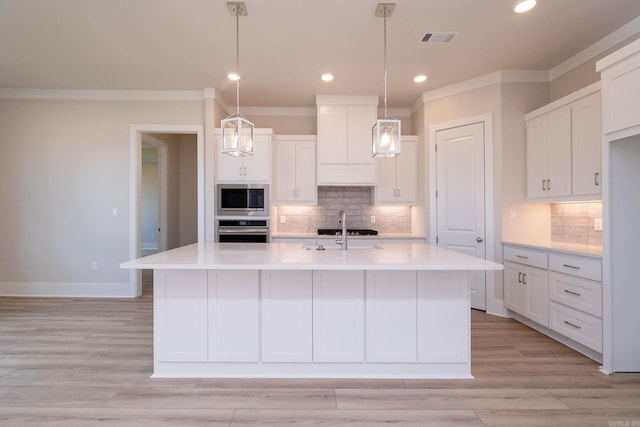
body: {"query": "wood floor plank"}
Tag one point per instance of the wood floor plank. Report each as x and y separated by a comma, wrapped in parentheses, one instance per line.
(253, 417)
(572, 418)
(597, 398)
(415, 399)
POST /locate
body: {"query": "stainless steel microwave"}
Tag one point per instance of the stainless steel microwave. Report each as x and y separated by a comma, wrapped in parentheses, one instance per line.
(243, 199)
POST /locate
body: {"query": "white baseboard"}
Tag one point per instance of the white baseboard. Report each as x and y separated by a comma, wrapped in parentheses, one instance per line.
(81, 290)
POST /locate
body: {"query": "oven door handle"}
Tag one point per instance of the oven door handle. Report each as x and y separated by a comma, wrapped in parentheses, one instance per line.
(254, 231)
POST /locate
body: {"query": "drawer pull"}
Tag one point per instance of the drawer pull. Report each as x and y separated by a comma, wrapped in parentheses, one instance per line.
(572, 325)
(522, 256)
(571, 266)
(572, 293)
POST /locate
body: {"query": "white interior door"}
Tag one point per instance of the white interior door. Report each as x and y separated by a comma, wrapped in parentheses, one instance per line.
(460, 197)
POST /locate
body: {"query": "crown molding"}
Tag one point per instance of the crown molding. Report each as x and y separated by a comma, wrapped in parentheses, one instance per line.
(279, 111)
(618, 36)
(105, 95)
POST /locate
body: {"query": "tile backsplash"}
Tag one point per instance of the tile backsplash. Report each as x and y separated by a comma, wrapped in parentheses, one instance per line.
(575, 223)
(358, 205)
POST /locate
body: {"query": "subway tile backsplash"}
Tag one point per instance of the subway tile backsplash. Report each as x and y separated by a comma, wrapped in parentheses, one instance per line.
(358, 204)
(575, 223)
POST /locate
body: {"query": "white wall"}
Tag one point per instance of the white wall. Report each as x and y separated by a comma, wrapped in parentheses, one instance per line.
(65, 167)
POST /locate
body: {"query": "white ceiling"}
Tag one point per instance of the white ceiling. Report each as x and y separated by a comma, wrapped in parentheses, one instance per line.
(286, 44)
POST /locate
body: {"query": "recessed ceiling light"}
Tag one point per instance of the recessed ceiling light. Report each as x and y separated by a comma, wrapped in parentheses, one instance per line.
(420, 78)
(327, 77)
(524, 6)
(233, 76)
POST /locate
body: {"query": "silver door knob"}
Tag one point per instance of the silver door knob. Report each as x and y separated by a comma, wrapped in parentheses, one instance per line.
(479, 239)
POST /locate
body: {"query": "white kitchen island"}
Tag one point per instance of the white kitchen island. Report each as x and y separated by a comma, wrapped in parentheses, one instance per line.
(281, 310)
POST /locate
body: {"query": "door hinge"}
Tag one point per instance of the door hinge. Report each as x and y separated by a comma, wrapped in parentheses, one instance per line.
(436, 147)
(436, 193)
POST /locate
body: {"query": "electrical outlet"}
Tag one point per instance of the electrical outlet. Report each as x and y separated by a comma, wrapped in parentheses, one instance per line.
(115, 211)
(597, 224)
(373, 219)
(94, 265)
(283, 219)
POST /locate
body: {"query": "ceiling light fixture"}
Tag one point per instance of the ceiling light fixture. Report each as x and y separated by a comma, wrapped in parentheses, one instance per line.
(385, 136)
(420, 78)
(523, 6)
(237, 131)
(327, 77)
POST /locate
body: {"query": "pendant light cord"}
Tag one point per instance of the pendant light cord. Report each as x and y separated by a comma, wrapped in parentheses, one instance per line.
(385, 62)
(238, 61)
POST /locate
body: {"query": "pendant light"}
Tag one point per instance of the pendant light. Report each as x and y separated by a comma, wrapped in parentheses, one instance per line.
(385, 136)
(237, 131)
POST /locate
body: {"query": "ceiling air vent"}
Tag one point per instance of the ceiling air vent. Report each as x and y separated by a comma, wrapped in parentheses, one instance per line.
(438, 37)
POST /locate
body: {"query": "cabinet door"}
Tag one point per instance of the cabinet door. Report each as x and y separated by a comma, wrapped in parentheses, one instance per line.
(286, 316)
(386, 188)
(587, 145)
(338, 316)
(559, 153)
(537, 134)
(305, 173)
(257, 167)
(333, 134)
(233, 316)
(180, 311)
(391, 316)
(285, 174)
(230, 168)
(361, 121)
(406, 173)
(514, 295)
(536, 285)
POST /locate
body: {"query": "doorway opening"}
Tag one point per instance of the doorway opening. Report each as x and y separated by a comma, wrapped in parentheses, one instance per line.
(167, 191)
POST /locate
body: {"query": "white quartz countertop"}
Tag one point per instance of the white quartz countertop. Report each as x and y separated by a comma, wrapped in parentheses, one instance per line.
(294, 256)
(567, 248)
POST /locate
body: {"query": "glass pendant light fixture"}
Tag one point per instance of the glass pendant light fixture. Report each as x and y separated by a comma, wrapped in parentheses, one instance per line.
(385, 136)
(237, 131)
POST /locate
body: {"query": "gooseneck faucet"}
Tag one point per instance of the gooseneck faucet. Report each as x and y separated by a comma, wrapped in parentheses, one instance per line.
(341, 239)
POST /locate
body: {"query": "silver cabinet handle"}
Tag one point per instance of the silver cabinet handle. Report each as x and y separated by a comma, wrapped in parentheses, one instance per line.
(522, 256)
(398, 191)
(572, 325)
(519, 277)
(548, 184)
(544, 188)
(524, 278)
(596, 181)
(571, 266)
(572, 293)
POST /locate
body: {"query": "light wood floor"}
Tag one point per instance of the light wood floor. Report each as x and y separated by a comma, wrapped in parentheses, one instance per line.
(83, 362)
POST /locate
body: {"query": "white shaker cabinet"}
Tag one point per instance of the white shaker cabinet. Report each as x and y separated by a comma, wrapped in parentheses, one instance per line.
(344, 140)
(391, 316)
(564, 149)
(549, 154)
(253, 168)
(527, 283)
(295, 170)
(397, 176)
(338, 316)
(286, 316)
(587, 146)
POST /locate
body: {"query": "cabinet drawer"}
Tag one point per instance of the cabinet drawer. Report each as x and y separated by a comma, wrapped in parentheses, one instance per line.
(526, 256)
(576, 292)
(589, 268)
(578, 326)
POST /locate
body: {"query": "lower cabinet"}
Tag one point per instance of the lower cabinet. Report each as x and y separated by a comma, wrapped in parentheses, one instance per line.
(179, 313)
(526, 291)
(391, 316)
(286, 316)
(233, 321)
(338, 316)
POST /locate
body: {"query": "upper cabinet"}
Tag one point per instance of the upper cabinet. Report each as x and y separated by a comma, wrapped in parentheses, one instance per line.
(254, 168)
(564, 153)
(397, 176)
(344, 140)
(295, 170)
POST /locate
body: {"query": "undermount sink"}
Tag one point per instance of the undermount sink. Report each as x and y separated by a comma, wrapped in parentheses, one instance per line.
(337, 247)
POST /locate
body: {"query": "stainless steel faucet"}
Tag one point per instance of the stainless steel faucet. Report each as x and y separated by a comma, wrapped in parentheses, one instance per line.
(341, 239)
